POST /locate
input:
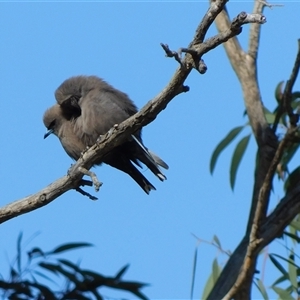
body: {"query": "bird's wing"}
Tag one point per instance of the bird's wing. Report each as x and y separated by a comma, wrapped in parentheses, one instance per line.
(100, 111)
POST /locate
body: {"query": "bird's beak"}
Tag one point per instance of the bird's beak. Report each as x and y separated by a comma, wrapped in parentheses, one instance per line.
(50, 131)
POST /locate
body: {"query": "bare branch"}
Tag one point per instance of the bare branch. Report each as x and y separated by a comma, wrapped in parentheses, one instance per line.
(255, 28)
(232, 47)
(170, 53)
(214, 9)
(262, 204)
(228, 33)
(245, 67)
(270, 5)
(287, 209)
(287, 94)
(255, 32)
(213, 243)
(285, 104)
(119, 135)
(269, 155)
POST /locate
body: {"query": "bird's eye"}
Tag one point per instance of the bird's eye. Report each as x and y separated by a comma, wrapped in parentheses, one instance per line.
(52, 124)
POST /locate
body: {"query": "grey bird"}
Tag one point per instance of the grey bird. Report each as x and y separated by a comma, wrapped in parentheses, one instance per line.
(88, 108)
(57, 123)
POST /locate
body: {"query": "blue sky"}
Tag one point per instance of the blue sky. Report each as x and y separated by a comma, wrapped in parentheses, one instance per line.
(44, 43)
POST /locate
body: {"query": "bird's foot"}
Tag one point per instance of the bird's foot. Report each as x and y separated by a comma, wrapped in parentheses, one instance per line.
(86, 149)
(84, 193)
(96, 182)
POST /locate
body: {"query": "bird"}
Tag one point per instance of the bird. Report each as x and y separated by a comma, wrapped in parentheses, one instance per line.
(88, 107)
(57, 123)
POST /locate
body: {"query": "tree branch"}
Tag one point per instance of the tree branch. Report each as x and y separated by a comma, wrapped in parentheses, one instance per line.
(236, 278)
(214, 9)
(245, 68)
(255, 239)
(255, 32)
(287, 209)
(285, 104)
(120, 134)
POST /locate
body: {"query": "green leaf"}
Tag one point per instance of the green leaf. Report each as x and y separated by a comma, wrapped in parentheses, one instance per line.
(58, 269)
(93, 276)
(208, 287)
(295, 224)
(216, 270)
(237, 157)
(283, 294)
(278, 265)
(295, 96)
(121, 272)
(35, 252)
(70, 265)
(45, 291)
(280, 280)
(289, 154)
(13, 273)
(70, 246)
(19, 240)
(210, 281)
(295, 104)
(140, 295)
(222, 145)
(279, 91)
(50, 267)
(97, 295)
(217, 241)
(289, 261)
(293, 236)
(293, 271)
(270, 117)
(259, 284)
(20, 288)
(79, 296)
(292, 181)
(194, 272)
(44, 276)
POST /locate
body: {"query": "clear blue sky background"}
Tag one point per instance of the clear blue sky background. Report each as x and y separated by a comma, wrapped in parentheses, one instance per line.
(44, 43)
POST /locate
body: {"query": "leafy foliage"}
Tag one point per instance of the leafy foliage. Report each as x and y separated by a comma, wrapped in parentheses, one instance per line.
(288, 268)
(242, 145)
(24, 281)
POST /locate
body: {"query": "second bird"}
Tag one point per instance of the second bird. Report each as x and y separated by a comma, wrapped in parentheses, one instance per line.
(89, 107)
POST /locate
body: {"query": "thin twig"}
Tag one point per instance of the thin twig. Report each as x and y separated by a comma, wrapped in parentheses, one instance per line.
(213, 244)
(265, 3)
(255, 239)
(214, 9)
(170, 53)
(287, 94)
(255, 30)
(285, 104)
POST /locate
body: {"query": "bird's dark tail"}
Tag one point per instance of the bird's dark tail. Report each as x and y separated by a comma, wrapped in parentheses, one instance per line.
(139, 178)
(151, 160)
(124, 164)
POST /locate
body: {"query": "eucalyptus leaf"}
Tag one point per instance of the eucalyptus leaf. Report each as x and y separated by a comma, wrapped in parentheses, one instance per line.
(237, 157)
(222, 145)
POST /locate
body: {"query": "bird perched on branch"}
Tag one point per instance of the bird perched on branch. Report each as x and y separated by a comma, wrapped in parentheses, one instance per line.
(88, 107)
